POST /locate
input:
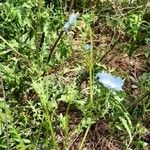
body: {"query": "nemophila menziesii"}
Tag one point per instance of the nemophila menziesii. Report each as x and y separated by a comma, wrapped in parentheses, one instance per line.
(87, 47)
(70, 21)
(110, 81)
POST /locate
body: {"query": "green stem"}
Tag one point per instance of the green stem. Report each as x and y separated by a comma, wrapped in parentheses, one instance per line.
(49, 121)
(13, 49)
(90, 71)
(66, 128)
(6, 117)
(38, 136)
(84, 138)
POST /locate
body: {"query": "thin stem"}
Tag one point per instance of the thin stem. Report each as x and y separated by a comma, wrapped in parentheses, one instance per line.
(91, 85)
(66, 128)
(90, 65)
(147, 94)
(13, 49)
(49, 118)
(84, 138)
(38, 136)
(90, 71)
(72, 4)
(111, 49)
(51, 130)
(6, 118)
(53, 48)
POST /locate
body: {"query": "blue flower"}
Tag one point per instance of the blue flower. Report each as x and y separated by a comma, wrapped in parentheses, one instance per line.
(110, 81)
(87, 47)
(70, 22)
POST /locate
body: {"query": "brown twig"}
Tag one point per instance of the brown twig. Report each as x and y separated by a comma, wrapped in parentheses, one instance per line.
(142, 97)
(139, 100)
(52, 49)
(111, 49)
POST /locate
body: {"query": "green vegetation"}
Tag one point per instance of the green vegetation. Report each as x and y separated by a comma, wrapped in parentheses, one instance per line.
(75, 74)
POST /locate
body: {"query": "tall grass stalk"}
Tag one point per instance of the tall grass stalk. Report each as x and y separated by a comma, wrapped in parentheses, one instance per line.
(91, 71)
(38, 136)
(66, 133)
(6, 117)
(84, 138)
(89, 57)
(66, 130)
(49, 118)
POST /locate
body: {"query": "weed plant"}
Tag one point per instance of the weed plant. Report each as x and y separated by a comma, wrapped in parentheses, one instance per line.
(52, 68)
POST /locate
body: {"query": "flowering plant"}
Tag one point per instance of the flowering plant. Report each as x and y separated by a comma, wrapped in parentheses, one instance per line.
(87, 47)
(70, 21)
(110, 81)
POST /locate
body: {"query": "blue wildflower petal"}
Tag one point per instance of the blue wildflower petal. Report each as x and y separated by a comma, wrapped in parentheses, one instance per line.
(70, 22)
(67, 26)
(73, 17)
(110, 81)
(87, 47)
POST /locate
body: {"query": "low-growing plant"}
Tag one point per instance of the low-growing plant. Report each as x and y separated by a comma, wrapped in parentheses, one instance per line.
(39, 42)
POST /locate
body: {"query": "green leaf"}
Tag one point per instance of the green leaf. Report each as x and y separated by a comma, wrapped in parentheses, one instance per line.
(129, 130)
(26, 141)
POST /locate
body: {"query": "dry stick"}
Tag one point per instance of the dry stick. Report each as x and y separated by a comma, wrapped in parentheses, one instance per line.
(113, 46)
(72, 4)
(6, 119)
(141, 98)
(52, 49)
